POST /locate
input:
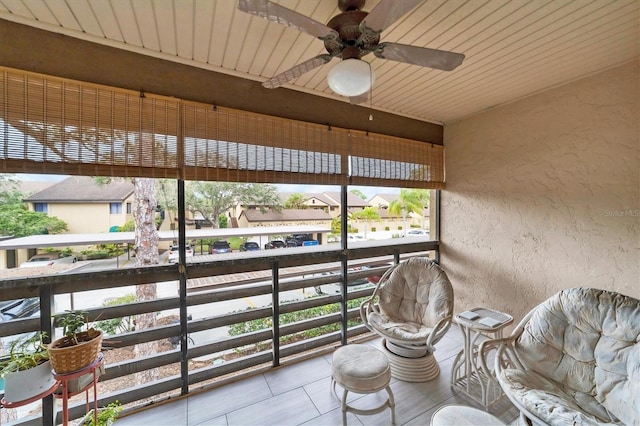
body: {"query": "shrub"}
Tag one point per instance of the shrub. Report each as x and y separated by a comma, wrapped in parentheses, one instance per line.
(291, 317)
(117, 325)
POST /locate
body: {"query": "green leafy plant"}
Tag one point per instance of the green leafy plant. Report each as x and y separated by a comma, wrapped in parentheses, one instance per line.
(25, 353)
(106, 415)
(291, 317)
(117, 325)
(72, 323)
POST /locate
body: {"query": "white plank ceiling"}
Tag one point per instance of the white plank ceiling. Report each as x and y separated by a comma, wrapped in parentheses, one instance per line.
(513, 48)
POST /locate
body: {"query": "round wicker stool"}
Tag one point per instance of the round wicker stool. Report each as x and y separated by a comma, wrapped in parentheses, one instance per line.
(361, 369)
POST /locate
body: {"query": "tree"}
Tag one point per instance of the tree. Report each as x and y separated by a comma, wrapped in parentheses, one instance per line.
(358, 193)
(366, 214)
(211, 199)
(146, 249)
(295, 201)
(8, 185)
(410, 201)
(18, 221)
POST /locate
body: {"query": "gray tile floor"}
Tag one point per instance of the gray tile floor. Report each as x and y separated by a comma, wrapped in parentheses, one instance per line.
(300, 394)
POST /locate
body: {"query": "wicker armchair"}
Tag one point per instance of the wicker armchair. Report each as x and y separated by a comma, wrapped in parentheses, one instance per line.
(573, 360)
(411, 308)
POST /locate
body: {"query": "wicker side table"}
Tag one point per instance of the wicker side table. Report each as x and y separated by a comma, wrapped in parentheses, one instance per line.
(466, 374)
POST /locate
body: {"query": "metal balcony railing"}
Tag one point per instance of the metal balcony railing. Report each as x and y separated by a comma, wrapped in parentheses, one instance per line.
(214, 335)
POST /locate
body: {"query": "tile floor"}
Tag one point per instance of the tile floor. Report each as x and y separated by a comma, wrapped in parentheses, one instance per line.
(300, 394)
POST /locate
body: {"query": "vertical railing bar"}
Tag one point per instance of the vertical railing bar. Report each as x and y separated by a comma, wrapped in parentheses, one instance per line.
(437, 236)
(343, 264)
(275, 294)
(182, 292)
(46, 325)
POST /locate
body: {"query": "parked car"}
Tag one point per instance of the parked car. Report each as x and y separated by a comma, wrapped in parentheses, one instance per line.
(20, 308)
(174, 254)
(46, 259)
(297, 240)
(275, 244)
(290, 242)
(221, 246)
(417, 233)
(249, 246)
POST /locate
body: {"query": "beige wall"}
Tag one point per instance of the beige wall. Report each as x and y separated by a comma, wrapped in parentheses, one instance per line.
(86, 218)
(544, 194)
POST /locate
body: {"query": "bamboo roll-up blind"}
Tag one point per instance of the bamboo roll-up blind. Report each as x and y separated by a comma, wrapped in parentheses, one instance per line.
(54, 125)
(229, 145)
(382, 160)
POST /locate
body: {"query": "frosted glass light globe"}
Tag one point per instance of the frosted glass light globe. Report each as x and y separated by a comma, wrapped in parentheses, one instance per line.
(351, 77)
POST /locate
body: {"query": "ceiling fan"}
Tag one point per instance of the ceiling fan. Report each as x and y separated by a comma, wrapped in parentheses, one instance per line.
(350, 35)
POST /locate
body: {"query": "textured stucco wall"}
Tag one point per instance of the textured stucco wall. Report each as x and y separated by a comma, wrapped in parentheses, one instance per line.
(544, 194)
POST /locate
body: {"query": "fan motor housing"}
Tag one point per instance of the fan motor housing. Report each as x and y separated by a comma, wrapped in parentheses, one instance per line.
(347, 24)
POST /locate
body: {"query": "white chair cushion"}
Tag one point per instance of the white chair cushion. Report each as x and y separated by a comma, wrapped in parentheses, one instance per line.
(417, 295)
(360, 368)
(586, 342)
(410, 332)
(553, 403)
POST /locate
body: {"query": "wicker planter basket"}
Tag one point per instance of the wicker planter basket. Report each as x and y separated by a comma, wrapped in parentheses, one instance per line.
(72, 358)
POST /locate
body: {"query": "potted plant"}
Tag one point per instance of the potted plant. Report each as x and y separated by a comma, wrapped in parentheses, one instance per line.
(79, 346)
(26, 370)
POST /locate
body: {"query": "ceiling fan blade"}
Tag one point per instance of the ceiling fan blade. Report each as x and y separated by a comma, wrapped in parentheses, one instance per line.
(282, 15)
(296, 71)
(386, 13)
(425, 57)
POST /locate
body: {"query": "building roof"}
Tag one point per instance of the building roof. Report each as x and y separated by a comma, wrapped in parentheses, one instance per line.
(284, 196)
(387, 197)
(83, 189)
(287, 215)
(31, 187)
(352, 199)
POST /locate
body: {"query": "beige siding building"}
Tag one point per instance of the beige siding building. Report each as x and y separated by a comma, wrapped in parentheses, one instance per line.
(86, 206)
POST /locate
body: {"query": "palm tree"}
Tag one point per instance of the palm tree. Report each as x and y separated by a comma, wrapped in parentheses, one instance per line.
(366, 214)
(295, 201)
(410, 201)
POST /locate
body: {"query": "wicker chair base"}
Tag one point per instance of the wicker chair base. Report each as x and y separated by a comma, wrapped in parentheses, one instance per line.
(412, 369)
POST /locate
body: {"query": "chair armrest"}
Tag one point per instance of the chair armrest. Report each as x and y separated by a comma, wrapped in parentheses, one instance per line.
(487, 346)
(366, 307)
(438, 332)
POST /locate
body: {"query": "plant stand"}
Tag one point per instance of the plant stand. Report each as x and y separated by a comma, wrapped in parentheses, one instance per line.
(65, 393)
(16, 404)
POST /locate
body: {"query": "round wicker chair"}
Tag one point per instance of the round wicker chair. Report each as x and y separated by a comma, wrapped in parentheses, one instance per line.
(411, 308)
(573, 360)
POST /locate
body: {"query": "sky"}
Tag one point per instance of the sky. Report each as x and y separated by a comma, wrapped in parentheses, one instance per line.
(369, 191)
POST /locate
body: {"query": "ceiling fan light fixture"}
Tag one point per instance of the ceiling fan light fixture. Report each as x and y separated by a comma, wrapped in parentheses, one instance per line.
(351, 77)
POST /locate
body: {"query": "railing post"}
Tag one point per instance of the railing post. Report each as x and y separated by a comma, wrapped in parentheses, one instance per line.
(275, 302)
(46, 326)
(343, 263)
(437, 236)
(182, 291)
